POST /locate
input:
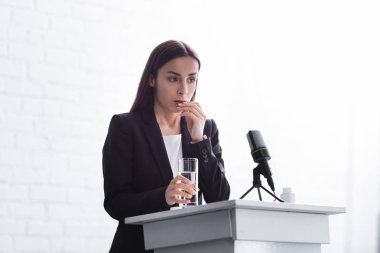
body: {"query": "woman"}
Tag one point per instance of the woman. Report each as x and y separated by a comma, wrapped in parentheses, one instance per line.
(142, 148)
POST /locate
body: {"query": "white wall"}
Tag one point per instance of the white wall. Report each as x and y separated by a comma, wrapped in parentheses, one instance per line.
(303, 73)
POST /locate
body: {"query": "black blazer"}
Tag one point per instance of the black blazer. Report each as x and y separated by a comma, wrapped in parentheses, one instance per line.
(136, 171)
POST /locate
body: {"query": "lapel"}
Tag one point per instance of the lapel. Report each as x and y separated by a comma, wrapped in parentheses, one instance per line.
(156, 142)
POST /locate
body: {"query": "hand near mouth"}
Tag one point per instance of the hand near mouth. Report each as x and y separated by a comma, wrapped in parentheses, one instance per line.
(195, 119)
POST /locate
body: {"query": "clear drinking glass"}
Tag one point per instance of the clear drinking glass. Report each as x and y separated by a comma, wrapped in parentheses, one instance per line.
(188, 167)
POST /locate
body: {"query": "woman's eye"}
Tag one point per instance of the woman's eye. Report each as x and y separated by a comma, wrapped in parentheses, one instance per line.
(191, 80)
(173, 79)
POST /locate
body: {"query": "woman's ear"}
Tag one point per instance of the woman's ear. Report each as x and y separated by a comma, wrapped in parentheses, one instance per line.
(152, 82)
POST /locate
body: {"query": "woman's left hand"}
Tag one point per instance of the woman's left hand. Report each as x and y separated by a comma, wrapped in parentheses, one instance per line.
(195, 119)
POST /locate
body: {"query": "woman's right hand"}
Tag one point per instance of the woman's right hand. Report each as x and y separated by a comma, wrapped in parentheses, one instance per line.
(180, 190)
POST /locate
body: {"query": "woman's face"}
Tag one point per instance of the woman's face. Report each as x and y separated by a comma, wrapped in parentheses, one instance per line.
(175, 83)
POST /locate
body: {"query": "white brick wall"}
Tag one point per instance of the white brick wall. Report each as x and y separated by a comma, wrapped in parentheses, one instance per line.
(12, 68)
(54, 113)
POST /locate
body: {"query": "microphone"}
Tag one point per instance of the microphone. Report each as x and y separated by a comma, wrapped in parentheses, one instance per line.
(260, 154)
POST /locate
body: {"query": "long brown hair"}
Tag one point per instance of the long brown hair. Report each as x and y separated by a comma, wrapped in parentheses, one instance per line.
(162, 54)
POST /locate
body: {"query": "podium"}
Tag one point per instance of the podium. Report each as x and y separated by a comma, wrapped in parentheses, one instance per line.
(240, 226)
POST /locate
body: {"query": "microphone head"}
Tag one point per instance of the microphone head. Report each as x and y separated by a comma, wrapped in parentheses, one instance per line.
(256, 142)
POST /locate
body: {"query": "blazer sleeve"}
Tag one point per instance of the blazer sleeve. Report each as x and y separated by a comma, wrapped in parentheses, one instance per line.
(121, 200)
(212, 180)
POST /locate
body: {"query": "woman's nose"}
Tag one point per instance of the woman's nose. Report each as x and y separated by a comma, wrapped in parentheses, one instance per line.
(183, 88)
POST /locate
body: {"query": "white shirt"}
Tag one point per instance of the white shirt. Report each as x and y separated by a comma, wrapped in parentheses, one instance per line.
(173, 145)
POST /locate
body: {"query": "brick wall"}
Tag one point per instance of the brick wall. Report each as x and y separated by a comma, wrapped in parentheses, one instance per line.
(59, 63)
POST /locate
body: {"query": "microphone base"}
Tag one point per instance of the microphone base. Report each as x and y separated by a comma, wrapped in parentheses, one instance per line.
(259, 193)
(257, 184)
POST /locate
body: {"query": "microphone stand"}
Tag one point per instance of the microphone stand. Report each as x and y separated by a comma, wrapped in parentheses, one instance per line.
(257, 184)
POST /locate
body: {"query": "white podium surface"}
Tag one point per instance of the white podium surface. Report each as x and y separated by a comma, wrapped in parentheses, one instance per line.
(238, 226)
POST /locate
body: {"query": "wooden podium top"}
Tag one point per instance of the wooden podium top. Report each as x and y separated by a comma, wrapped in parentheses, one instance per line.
(235, 204)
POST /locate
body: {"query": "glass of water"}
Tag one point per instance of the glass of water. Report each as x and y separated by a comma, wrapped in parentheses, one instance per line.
(188, 167)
